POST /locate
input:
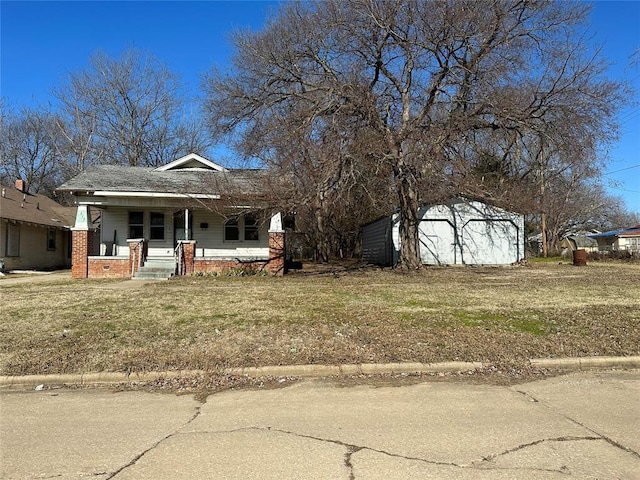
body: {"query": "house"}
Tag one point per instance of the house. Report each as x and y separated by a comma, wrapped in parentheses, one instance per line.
(34, 230)
(460, 232)
(191, 215)
(627, 239)
(578, 241)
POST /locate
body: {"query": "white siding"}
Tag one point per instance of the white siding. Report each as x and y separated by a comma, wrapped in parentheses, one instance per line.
(209, 241)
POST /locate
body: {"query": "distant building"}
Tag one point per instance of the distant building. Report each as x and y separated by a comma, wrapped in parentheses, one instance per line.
(627, 239)
(35, 231)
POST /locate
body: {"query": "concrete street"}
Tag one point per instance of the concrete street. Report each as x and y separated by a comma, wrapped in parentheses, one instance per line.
(581, 425)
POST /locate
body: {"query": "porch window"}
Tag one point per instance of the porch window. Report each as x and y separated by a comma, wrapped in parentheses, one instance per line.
(136, 224)
(51, 239)
(231, 230)
(157, 226)
(251, 228)
(13, 240)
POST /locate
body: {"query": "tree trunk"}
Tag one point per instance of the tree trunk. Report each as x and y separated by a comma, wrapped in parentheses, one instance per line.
(408, 203)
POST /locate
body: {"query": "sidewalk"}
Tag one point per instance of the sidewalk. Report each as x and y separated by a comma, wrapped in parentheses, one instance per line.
(581, 425)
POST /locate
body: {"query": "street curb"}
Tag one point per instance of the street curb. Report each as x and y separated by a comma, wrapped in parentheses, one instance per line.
(571, 363)
(586, 363)
(254, 372)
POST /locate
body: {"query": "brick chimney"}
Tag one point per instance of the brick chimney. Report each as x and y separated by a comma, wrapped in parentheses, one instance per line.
(21, 185)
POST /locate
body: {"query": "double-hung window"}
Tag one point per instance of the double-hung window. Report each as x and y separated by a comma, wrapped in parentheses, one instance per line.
(136, 224)
(251, 228)
(157, 226)
(51, 239)
(231, 230)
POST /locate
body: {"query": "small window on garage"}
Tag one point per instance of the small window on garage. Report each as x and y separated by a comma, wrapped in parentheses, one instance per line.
(157, 226)
(136, 224)
(231, 230)
(51, 238)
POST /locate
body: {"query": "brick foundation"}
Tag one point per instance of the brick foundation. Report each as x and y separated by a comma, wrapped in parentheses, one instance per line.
(109, 268)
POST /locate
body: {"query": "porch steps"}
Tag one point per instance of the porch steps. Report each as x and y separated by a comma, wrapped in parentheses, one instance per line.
(156, 269)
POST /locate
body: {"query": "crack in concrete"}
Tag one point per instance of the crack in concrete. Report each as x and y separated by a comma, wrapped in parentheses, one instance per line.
(352, 449)
(601, 436)
(155, 445)
(347, 460)
(490, 458)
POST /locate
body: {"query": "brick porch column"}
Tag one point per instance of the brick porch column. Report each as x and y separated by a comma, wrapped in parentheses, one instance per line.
(79, 254)
(81, 243)
(276, 246)
(189, 247)
(136, 248)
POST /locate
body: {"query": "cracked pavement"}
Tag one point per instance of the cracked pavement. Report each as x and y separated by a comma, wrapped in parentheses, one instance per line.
(581, 425)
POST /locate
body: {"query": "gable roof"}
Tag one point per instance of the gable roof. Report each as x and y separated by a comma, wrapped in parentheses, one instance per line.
(34, 209)
(193, 161)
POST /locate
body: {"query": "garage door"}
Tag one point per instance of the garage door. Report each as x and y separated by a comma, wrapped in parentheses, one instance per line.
(489, 242)
(437, 242)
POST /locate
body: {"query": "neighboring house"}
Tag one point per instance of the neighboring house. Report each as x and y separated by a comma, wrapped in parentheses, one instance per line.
(627, 239)
(461, 232)
(191, 215)
(578, 241)
(34, 230)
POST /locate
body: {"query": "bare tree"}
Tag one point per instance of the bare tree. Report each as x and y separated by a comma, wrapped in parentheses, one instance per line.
(431, 81)
(126, 110)
(27, 149)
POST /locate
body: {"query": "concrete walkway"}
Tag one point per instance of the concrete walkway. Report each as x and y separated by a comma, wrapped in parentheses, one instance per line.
(582, 425)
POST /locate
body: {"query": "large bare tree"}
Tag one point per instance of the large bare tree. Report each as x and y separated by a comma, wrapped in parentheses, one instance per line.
(128, 110)
(27, 149)
(431, 81)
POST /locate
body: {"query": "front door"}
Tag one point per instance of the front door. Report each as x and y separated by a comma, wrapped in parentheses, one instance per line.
(179, 230)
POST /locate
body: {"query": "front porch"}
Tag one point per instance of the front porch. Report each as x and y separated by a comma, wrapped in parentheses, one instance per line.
(170, 246)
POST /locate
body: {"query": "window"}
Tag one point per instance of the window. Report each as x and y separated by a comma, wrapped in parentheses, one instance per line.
(231, 230)
(13, 240)
(251, 228)
(157, 226)
(51, 239)
(136, 224)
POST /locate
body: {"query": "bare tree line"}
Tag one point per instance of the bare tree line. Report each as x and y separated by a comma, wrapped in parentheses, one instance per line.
(360, 108)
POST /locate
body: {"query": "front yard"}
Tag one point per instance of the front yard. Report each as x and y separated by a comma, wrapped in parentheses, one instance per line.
(500, 316)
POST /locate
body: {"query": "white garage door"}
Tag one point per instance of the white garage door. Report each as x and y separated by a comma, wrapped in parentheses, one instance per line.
(489, 242)
(437, 242)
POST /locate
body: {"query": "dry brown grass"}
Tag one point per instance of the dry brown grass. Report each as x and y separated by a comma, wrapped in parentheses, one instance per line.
(500, 316)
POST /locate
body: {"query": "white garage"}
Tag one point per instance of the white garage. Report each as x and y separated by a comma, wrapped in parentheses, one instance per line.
(461, 232)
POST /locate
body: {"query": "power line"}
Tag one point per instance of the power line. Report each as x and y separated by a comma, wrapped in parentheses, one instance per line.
(622, 169)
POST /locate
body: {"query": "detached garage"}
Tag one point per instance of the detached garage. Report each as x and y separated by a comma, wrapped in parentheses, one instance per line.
(460, 232)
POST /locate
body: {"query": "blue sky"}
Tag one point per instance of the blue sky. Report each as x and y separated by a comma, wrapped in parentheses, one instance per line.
(41, 42)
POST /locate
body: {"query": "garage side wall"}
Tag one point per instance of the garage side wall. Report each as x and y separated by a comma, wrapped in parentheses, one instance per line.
(377, 244)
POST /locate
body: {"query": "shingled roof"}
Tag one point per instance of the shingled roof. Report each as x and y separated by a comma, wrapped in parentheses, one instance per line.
(189, 181)
(34, 209)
